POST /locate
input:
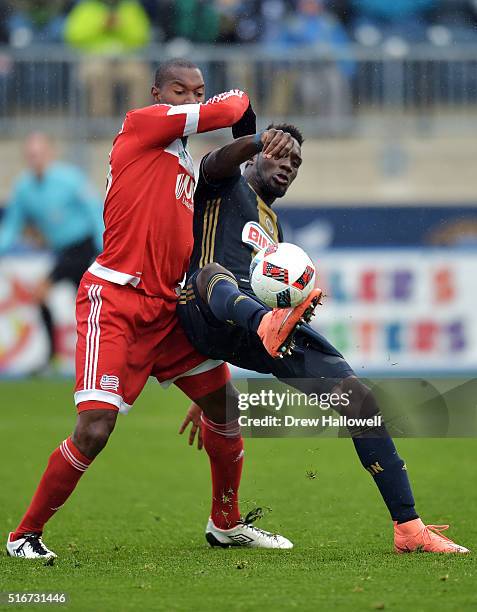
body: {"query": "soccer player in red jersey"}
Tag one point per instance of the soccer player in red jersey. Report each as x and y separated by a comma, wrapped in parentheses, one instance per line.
(126, 305)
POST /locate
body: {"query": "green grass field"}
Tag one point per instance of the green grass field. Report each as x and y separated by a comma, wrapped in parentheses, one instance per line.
(131, 537)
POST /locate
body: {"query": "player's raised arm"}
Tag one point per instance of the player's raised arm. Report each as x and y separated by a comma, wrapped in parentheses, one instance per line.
(161, 124)
(225, 162)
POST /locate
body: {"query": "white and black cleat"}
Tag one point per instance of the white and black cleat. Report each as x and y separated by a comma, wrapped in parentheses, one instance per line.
(244, 534)
(30, 546)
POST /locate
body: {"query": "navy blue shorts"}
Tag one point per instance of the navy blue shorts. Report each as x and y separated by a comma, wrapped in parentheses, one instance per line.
(315, 366)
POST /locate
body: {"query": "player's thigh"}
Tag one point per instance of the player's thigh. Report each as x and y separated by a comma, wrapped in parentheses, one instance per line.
(179, 362)
(105, 343)
(216, 339)
(316, 366)
(221, 405)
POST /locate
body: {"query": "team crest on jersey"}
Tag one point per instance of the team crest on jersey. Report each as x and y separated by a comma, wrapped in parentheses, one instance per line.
(269, 224)
(255, 236)
(109, 383)
(185, 190)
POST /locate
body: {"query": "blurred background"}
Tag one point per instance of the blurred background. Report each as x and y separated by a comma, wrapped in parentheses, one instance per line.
(385, 202)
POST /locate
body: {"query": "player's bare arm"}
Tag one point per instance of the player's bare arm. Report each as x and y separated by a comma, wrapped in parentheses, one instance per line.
(226, 161)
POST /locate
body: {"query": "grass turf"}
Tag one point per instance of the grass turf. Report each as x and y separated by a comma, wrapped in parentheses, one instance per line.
(131, 536)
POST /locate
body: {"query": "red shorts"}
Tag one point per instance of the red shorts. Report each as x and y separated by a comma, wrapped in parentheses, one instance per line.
(124, 337)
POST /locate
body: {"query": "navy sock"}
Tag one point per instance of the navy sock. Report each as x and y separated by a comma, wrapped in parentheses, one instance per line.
(229, 304)
(380, 457)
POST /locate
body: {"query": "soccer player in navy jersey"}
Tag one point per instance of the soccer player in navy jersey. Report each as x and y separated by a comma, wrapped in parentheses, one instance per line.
(233, 219)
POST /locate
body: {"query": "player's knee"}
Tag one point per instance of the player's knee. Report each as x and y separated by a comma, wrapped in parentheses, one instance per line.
(93, 430)
(205, 274)
(221, 406)
(359, 399)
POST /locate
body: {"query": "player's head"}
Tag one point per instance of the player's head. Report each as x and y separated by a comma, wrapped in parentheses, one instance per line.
(39, 152)
(178, 81)
(273, 177)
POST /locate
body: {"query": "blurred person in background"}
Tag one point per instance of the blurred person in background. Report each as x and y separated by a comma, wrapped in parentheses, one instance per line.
(41, 21)
(109, 31)
(191, 20)
(323, 87)
(406, 19)
(35, 23)
(56, 200)
(4, 13)
(459, 18)
(196, 20)
(5, 58)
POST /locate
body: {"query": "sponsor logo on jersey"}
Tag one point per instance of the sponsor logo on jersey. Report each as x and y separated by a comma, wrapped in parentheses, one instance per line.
(255, 236)
(109, 383)
(185, 190)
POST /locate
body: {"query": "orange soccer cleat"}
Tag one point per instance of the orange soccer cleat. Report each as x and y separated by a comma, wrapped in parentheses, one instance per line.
(277, 327)
(414, 536)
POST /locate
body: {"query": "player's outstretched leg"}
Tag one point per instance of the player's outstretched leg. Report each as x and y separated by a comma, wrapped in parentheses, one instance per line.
(380, 458)
(224, 445)
(65, 467)
(219, 289)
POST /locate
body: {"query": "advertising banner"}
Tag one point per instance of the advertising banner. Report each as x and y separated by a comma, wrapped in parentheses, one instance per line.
(24, 343)
(394, 311)
(400, 310)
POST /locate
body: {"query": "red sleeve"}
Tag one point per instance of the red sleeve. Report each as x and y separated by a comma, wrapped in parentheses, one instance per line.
(161, 124)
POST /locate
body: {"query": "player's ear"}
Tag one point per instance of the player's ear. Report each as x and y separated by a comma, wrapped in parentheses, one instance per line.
(251, 161)
(155, 93)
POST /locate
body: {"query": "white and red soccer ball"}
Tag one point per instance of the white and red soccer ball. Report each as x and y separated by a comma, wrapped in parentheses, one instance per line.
(282, 275)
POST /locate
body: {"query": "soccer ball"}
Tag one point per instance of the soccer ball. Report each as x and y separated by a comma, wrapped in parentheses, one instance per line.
(282, 275)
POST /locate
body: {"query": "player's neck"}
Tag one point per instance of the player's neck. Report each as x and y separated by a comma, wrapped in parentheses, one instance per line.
(257, 186)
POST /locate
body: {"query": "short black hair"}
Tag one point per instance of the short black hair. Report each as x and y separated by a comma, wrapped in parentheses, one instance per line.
(164, 70)
(289, 129)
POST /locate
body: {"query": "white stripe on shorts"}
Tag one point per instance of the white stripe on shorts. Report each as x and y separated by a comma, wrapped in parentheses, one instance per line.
(92, 337)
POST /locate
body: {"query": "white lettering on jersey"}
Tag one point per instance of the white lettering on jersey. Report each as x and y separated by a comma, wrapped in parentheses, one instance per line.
(255, 236)
(185, 190)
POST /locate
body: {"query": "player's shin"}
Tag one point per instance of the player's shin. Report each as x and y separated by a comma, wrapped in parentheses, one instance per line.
(380, 458)
(224, 446)
(228, 303)
(65, 467)
(378, 455)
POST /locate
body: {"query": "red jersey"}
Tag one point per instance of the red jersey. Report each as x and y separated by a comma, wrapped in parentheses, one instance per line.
(148, 211)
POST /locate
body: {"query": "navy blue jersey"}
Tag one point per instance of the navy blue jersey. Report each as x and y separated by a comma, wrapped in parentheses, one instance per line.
(231, 224)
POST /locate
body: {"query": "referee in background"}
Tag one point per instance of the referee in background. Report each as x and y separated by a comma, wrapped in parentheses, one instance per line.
(56, 200)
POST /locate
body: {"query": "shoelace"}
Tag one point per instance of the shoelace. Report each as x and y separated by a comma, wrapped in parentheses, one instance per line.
(36, 544)
(436, 530)
(255, 515)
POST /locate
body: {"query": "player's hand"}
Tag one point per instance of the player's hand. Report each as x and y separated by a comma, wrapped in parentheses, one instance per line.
(276, 143)
(193, 416)
(246, 125)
